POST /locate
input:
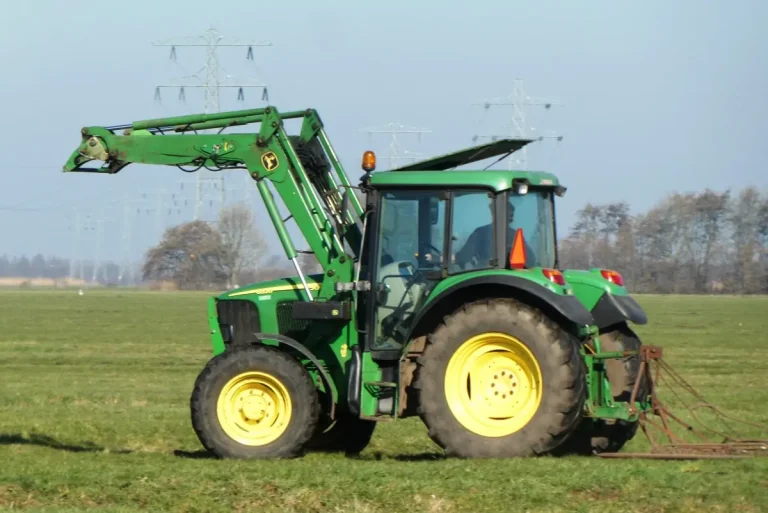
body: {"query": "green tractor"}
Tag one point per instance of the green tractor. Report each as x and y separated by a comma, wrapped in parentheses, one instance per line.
(441, 297)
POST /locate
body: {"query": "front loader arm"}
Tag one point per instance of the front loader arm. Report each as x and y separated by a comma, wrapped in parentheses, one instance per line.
(269, 156)
(117, 151)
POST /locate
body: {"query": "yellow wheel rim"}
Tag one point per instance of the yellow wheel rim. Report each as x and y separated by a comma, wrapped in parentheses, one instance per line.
(254, 408)
(493, 384)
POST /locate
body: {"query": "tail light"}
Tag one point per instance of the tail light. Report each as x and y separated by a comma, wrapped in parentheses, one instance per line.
(554, 276)
(613, 277)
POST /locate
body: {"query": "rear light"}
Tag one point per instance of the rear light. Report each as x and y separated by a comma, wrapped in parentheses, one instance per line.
(613, 277)
(554, 276)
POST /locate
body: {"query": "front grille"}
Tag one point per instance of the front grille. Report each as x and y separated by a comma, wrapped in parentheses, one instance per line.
(297, 329)
(242, 316)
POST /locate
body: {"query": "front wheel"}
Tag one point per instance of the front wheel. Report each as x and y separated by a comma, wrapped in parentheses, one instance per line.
(499, 379)
(254, 402)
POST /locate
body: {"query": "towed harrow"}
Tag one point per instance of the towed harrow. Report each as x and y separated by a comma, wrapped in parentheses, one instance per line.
(672, 437)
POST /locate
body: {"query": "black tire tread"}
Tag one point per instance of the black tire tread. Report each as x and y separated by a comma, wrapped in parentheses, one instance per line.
(306, 406)
(566, 377)
(349, 434)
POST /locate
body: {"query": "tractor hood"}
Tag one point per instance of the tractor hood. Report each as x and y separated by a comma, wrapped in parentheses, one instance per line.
(290, 285)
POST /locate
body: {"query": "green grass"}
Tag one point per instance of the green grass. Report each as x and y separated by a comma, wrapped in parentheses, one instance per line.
(94, 395)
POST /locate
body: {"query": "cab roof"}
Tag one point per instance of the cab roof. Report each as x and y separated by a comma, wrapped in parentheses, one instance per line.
(439, 171)
(496, 180)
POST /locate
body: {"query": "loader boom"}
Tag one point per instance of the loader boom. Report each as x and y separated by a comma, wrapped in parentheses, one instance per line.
(300, 168)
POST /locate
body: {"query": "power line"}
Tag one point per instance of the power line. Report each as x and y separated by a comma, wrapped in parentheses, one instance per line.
(394, 129)
(212, 81)
(518, 100)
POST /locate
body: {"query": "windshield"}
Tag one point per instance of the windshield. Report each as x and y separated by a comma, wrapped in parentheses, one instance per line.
(534, 213)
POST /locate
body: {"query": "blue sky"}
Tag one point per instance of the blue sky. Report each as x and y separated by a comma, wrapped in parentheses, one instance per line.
(656, 96)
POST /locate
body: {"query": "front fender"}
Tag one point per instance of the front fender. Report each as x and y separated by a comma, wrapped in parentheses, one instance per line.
(607, 302)
(298, 346)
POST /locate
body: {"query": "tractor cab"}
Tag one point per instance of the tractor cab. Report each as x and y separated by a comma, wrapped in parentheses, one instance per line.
(433, 224)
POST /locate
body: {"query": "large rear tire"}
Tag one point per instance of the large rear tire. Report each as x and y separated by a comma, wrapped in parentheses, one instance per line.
(254, 402)
(347, 434)
(598, 436)
(499, 379)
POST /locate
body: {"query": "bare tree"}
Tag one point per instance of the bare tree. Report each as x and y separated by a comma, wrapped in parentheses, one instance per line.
(587, 231)
(309, 263)
(710, 214)
(746, 240)
(762, 232)
(602, 236)
(190, 255)
(242, 245)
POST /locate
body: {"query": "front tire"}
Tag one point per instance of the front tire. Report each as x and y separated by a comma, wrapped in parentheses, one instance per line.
(499, 379)
(254, 402)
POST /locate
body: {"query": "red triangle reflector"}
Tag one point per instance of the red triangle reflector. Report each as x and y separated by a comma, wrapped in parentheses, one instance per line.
(517, 253)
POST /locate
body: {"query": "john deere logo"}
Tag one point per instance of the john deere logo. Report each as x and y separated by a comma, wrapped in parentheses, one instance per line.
(269, 160)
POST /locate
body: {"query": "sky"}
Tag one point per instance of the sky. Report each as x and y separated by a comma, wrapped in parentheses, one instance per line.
(650, 97)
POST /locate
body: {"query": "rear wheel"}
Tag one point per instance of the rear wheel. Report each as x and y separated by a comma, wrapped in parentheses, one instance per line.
(499, 379)
(347, 434)
(597, 436)
(254, 402)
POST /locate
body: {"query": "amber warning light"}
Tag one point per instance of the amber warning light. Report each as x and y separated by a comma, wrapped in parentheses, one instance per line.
(369, 161)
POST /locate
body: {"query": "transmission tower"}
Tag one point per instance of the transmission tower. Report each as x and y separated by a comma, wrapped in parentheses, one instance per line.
(518, 100)
(211, 78)
(394, 129)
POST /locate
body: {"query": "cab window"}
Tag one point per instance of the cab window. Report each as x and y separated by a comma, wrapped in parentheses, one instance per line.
(472, 234)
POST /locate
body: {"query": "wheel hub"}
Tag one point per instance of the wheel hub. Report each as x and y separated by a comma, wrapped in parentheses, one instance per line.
(499, 379)
(493, 384)
(254, 408)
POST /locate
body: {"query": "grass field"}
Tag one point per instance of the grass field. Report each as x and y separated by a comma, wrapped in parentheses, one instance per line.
(94, 395)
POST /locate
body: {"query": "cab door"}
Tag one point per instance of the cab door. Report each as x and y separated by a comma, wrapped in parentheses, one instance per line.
(409, 246)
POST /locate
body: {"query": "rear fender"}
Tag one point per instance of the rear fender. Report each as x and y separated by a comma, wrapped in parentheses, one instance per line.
(609, 303)
(566, 310)
(611, 309)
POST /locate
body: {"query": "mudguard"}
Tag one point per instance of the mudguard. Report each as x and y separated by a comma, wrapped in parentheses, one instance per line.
(611, 309)
(567, 306)
(298, 346)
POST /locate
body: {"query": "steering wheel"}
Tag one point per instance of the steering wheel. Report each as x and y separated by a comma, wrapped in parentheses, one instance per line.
(437, 251)
(434, 251)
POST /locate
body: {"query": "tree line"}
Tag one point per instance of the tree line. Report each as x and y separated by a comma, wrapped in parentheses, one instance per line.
(36, 267)
(688, 243)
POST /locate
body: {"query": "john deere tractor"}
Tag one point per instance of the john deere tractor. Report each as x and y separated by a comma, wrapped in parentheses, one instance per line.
(441, 296)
